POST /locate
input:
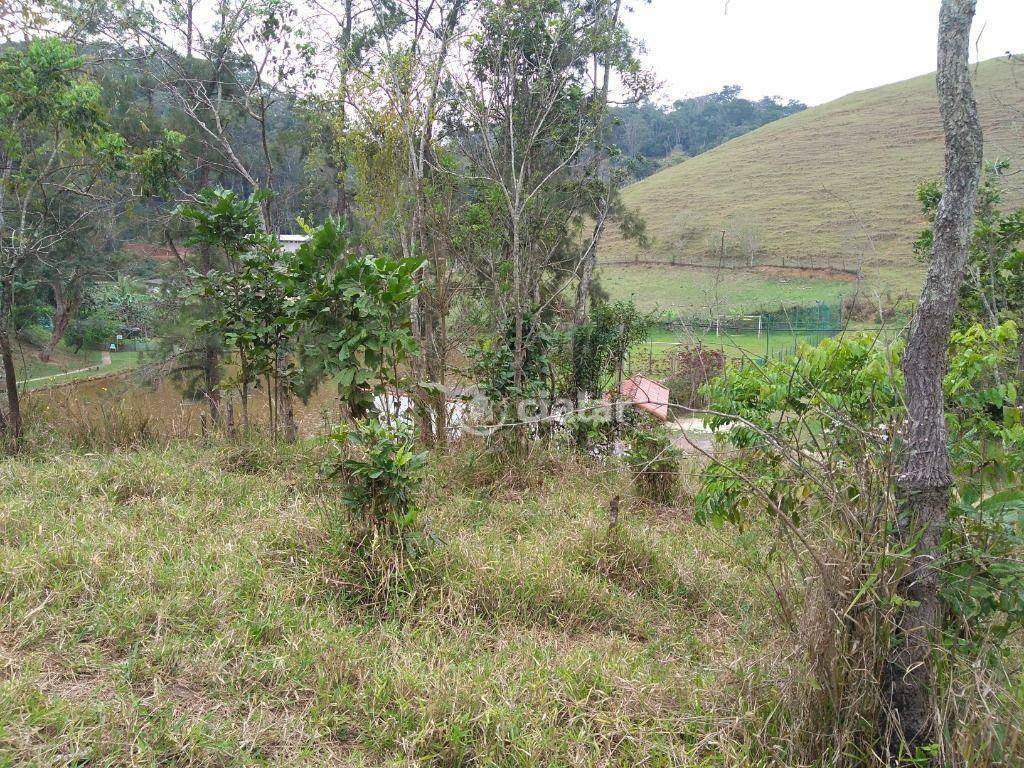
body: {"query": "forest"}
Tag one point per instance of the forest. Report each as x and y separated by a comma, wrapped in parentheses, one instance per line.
(323, 441)
(647, 136)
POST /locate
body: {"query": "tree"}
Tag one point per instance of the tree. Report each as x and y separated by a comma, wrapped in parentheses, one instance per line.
(528, 116)
(55, 151)
(349, 313)
(408, 192)
(993, 286)
(613, 53)
(230, 74)
(925, 481)
(648, 136)
(238, 298)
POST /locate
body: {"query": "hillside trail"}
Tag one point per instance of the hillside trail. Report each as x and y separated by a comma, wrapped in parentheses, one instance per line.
(105, 361)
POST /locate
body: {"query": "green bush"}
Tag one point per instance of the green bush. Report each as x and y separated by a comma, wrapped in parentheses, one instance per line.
(654, 464)
(382, 473)
(94, 331)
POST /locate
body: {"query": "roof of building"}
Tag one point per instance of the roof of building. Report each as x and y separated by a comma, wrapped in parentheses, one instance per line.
(647, 395)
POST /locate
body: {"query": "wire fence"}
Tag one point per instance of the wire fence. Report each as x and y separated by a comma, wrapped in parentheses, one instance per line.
(754, 344)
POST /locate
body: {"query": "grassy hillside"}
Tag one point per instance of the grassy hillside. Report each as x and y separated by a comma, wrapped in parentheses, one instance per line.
(201, 606)
(830, 187)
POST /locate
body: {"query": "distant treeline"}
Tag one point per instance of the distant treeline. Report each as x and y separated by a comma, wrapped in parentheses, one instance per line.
(651, 136)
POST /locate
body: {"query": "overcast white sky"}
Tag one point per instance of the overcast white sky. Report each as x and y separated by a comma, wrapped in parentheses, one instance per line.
(811, 50)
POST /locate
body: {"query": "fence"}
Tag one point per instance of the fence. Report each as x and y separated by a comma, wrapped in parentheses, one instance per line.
(750, 343)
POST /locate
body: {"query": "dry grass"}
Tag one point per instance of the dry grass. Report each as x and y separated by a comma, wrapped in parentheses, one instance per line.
(182, 606)
(831, 186)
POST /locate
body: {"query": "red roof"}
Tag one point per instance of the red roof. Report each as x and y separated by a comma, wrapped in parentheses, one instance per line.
(647, 395)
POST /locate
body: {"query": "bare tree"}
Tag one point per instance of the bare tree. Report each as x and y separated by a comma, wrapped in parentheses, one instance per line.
(610, 18)
(924, 484)
(530, 121)
(394, 91)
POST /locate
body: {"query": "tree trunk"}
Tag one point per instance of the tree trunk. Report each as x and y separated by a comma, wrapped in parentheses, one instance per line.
(211, 379)
(285, 403)
(63, 311)
(579, 316)
(12, 426)
(600, 161)
(924, 484)
(341, 203)
(245, 376)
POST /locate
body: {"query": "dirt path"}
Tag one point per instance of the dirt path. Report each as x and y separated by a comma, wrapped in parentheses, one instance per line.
(104, 362)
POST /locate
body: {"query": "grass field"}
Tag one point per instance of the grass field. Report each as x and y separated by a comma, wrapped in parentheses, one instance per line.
(66, 365)
(832, 186)
(736, 345)
(693, 291)
(199, 606)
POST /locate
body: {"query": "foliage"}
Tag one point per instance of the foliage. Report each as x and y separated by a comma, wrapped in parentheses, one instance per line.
(57, 153)
(993, 288)
(691, 369)
(530, 124)
(591, 429)
(351, 312)
(654, 463)
(241, 303)
(815, 448)
(122, 307)
(225, 221)
(982, 572)
(42, 90)
(95, 328)
(600, 347)
(843, 398)
(159, 166)
(128, 303)
(494, 364)
(382, 476)
(647, 133)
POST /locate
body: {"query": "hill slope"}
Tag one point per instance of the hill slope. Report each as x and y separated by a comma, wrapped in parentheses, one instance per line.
(829, 187)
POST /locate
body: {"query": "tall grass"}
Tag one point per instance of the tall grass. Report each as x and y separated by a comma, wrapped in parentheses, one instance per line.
(183, 606)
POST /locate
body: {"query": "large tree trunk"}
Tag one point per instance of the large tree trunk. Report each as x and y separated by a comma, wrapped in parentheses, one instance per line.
(63, 311)
(11, 424)
(924, 484)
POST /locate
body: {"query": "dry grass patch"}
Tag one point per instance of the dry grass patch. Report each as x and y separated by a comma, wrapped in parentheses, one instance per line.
(168, 606)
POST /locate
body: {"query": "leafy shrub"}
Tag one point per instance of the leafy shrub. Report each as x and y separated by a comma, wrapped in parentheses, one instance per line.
(93, 331)
(590, 430)
(817, 447)
(654, 463)
(982, 571)
(600, 346)
(494, 361)
(382, 474)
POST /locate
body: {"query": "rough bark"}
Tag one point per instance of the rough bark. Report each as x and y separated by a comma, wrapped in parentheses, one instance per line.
(12, 425)
(64, 310)
(924, 484)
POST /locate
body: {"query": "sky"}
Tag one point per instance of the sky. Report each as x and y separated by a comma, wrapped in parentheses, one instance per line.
(810, 50)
